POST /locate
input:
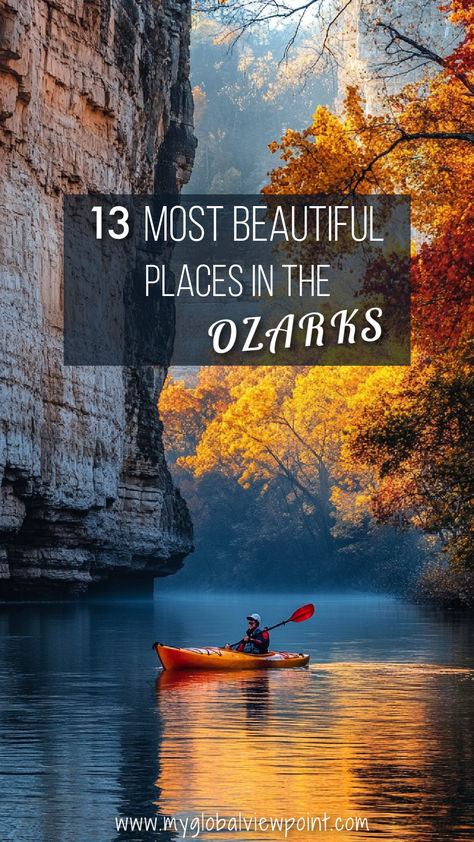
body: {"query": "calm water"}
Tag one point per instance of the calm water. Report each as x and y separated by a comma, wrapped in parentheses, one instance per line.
(380, 726)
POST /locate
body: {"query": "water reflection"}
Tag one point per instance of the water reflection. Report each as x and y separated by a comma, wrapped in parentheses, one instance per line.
(78, 729)
(379, 726)
(377, 741)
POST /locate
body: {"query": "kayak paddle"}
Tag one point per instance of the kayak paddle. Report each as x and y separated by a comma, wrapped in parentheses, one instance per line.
(298, 616)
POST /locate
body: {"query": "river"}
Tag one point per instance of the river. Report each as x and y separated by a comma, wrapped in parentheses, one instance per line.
(379, 728)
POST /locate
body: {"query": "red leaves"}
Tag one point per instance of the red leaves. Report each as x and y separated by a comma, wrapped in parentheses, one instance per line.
(443, 288)
(460, 62)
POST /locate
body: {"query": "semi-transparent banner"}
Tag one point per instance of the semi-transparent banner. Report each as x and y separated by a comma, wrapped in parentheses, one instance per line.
(236, 280)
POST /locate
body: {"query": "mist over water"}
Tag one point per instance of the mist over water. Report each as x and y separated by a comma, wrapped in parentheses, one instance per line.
(379, 726)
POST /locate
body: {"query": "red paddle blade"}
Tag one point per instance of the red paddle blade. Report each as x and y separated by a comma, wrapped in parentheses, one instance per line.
(303, 613)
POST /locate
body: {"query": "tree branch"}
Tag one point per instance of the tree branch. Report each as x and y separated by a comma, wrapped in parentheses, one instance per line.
(406, 137)
(424, 51)
(284, 422)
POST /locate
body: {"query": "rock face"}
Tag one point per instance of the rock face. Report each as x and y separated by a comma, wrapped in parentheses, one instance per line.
(94, 97)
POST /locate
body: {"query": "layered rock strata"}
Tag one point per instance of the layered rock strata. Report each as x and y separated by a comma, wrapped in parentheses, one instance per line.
(94, 97)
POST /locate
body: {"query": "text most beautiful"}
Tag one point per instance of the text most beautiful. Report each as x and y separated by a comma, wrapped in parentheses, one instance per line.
(255, 223)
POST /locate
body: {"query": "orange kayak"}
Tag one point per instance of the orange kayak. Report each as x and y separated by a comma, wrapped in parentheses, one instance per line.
(215, 658)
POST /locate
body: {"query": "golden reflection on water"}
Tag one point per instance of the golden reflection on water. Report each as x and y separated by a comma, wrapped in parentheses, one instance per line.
(373, 741)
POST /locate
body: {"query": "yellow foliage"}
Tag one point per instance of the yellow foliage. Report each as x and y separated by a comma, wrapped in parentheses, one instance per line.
(287, 425)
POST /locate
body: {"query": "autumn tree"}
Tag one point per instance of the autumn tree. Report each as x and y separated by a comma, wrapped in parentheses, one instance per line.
(267, 474)
(186, 410)
(420, 441)
(421, 144)
(282, 426)
(324, 447)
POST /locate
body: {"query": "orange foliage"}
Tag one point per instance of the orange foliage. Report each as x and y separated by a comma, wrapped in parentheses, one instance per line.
(407, 428)
(336, 155)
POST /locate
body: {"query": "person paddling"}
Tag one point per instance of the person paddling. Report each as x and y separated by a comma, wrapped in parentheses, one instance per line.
(256, 640)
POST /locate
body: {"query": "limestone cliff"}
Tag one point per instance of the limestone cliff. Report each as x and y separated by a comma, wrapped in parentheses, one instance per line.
(94, 97)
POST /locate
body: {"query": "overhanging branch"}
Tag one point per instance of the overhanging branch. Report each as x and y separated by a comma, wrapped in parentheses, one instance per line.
(407, 137)
(422, 50)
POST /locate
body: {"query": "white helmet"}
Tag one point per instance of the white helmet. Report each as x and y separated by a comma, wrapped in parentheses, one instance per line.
(256, 617)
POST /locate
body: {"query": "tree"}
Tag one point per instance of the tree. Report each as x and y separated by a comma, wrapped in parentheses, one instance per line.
(283, 427)
(414, 430)
(268, 476)
(324, 447)
(420, 440)
(442, 283)
(187, 411)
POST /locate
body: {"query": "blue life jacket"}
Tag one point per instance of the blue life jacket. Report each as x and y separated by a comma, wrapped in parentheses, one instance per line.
(260, 638)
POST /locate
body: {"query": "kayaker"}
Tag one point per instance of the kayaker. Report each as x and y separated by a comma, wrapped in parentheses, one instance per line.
(256, 640)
